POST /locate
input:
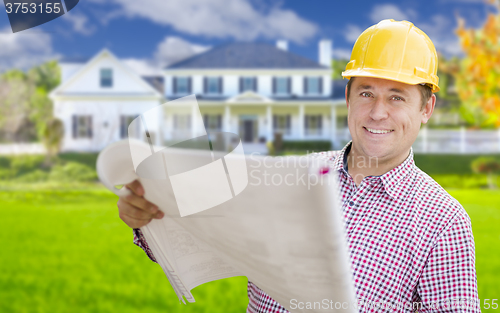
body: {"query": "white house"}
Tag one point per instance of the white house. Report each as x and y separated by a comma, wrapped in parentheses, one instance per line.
(251, 89)
(98, 99)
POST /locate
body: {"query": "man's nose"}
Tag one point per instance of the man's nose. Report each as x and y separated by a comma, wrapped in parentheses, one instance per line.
(379, 109)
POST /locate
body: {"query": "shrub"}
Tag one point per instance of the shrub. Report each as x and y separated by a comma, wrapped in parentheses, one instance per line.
(5, 174)
(72, 172)
(489, 166)
(33, 177)
(307, 145)
(24, 164)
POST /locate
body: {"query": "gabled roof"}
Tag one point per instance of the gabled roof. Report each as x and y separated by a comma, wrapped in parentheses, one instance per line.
(156, 82)
(246, 55)
(105, 53)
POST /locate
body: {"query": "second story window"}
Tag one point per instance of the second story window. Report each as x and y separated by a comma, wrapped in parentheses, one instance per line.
(212, 85)
(182, 85)
(106, 77)
(248, 83)
(313, 85)
(281, 85)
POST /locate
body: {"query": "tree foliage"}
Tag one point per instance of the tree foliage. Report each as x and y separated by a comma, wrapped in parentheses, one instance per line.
(478, 80)
(338, 66)
(25, 95)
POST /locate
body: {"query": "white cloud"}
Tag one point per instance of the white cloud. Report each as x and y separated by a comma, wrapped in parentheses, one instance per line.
(440, 31)
(352, 32)
(170, 50)
(24, 49)
(390, 11)
(143, 67)
(237, 19)
(173, 49)
(341, 54)
(80, 23)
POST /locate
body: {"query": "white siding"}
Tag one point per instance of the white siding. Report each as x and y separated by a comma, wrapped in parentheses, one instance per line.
(105, 120)
(89, 81)
(297, 85)
(68, 70)
(231, 85)
(265, 85)
(197, 84)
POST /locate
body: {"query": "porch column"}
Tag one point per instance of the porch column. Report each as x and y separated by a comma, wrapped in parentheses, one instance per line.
(194, 120)
(269, 123)
(333, 126)
(227, 119)
(301, 121)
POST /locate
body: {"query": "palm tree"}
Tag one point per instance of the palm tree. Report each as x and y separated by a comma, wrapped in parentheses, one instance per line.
(52, 137)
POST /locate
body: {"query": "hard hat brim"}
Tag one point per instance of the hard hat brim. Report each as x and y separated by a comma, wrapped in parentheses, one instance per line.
(390, 75)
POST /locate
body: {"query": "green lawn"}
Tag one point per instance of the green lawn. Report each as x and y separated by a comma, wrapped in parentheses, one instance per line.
(483, 207)
(67, 251)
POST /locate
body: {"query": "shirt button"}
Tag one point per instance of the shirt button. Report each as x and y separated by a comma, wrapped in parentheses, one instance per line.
(351, 203)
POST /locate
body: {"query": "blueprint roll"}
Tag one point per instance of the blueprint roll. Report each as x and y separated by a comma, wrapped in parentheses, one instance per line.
(204, 168)
(200, 178)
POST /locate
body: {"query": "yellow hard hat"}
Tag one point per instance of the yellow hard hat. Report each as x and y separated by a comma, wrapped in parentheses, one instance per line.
(396, 51)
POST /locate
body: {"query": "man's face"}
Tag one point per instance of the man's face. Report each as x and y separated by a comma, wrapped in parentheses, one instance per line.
(384, 117)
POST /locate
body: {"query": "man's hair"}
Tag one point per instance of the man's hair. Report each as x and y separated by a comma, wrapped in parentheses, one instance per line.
(425, 92)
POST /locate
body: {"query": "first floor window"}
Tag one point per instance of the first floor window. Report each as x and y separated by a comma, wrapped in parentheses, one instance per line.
(182, 122)
(282, 124)
(313, 124)
(82, 126)
(213, 122)
(125, 121)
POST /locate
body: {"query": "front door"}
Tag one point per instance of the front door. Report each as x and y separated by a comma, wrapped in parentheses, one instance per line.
(248, 130)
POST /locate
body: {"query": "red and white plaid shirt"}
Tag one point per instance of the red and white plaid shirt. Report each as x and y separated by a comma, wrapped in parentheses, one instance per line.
(410, 243)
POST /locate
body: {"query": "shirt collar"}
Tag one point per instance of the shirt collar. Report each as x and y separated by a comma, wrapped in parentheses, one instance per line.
(390, 179)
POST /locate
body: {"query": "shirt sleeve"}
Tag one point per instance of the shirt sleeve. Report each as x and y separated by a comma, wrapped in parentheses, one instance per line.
(140, 241)
(448, 282)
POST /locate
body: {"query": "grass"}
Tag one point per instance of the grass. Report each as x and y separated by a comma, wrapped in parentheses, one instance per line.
(459, 164)
(67, 251)
(483, 207)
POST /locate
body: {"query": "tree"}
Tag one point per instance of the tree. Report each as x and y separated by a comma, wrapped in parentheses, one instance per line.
(478, 80)
(52, 137)
(338, 66)
(15, 94)
(25, 95)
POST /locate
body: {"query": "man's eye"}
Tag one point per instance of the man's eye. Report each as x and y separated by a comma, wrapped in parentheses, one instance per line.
(397, 98)
(365, 94)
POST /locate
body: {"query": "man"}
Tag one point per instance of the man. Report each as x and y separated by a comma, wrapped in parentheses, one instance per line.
(410, 242)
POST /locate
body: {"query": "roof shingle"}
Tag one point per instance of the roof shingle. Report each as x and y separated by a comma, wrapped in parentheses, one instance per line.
(246, 55)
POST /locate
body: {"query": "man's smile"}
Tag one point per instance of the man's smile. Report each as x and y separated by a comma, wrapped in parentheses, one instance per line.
(378, 131)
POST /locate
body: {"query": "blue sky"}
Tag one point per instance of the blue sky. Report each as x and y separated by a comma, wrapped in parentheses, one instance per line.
(149, 34)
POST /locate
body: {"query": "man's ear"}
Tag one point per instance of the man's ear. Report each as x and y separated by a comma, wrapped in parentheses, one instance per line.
(428, 109)
(346, 99)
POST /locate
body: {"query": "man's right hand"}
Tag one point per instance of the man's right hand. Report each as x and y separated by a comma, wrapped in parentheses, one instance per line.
(134, 209)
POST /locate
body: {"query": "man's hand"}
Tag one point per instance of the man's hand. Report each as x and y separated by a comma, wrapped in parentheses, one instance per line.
(136, 211)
